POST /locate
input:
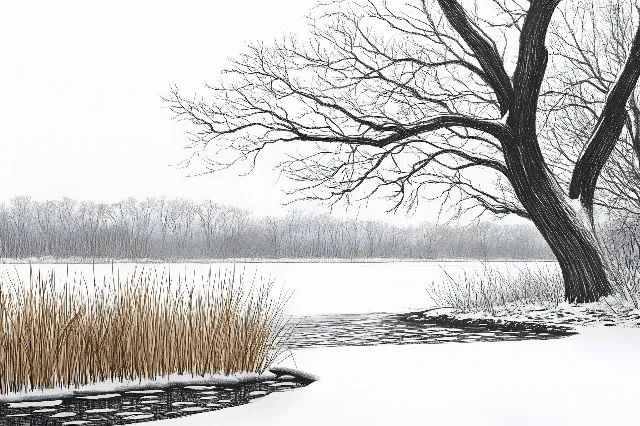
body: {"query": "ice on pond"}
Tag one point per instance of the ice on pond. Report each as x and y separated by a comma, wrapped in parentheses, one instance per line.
(314, 285)
(286, 377)
(100, 410)
(139, 417)
(102, 396)
(64, 414)
(28, 404)
(129, 413)
(193, 409)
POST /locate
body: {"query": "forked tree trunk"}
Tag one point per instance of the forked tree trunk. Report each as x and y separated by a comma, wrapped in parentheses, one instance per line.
(568, 236)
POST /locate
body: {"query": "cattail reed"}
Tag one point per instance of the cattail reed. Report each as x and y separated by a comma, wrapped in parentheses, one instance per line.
(139, 327)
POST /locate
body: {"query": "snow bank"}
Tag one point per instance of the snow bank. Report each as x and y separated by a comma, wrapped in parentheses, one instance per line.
(610, 311)
(282, 371)
(130, 385)
(590, 379)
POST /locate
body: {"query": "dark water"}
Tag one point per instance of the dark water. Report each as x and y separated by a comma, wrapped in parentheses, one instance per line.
(138, 406)
(414, 328)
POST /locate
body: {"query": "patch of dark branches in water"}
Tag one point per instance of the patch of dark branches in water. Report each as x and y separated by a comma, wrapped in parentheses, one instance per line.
(411, 328)
(134, 406)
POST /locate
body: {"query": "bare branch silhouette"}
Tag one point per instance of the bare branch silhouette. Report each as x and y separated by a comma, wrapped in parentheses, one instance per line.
(411, 101)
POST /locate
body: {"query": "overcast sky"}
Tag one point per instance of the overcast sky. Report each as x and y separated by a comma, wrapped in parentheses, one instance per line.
(80, 86)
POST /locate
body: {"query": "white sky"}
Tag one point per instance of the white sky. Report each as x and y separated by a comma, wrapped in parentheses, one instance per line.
(80, 86)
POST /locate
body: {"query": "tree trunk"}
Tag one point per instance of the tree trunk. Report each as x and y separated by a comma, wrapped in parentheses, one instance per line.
(569, 237)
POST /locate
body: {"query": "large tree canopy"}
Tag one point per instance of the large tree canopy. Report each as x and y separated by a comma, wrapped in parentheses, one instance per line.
(426, 99)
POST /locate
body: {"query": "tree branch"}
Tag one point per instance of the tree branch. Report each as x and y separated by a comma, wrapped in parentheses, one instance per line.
(531, 66)
(485, 52)
(606, 132)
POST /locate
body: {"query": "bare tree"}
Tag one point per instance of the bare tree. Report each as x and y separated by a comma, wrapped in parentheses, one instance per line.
(593, 42)
(417, 98)
(208, 213)
(45, 214)
(589, 47)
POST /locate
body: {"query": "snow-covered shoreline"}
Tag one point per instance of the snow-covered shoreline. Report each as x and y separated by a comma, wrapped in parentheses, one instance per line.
(609, 312)
(157, 403)
(161, 382)
(586, 379)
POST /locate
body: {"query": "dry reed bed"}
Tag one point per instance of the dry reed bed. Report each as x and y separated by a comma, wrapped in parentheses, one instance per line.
(489, 289)
(139, 327)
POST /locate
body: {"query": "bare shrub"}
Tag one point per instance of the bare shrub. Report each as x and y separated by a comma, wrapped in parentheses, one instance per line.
(143, 326)
(489, 288)
(621, 247)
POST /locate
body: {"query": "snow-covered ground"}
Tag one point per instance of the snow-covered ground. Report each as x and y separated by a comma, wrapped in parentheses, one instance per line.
(589, 379)
(610, 311)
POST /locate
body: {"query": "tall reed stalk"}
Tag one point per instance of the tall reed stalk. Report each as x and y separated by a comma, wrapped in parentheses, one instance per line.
(138, 327)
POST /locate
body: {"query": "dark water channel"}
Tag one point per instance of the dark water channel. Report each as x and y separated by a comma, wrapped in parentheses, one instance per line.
(411, 328)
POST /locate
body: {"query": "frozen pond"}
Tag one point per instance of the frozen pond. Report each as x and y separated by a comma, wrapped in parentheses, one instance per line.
(317, 288)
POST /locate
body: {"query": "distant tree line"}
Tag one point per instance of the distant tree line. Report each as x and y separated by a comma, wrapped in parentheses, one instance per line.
(173, 229)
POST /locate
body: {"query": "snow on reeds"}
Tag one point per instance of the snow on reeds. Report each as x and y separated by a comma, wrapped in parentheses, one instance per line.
(489, 288)
(137, 327)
